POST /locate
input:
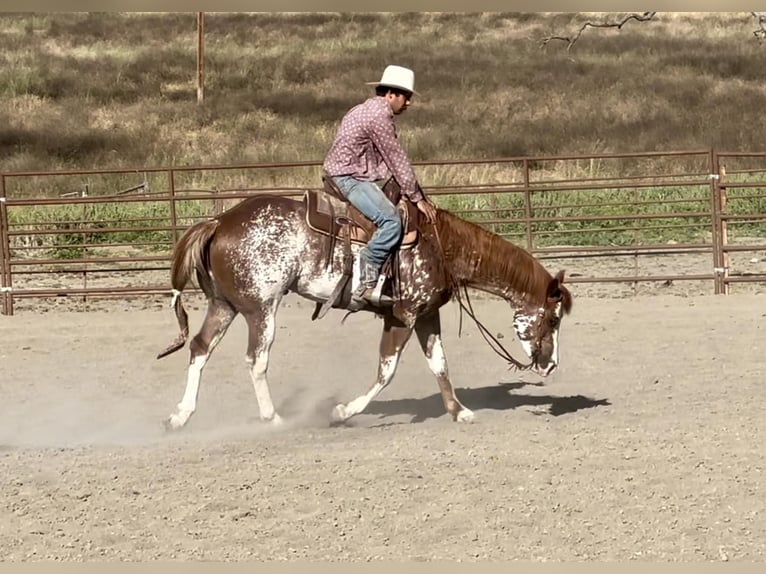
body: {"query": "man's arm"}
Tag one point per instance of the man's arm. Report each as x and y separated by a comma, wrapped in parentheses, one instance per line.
(383, 134)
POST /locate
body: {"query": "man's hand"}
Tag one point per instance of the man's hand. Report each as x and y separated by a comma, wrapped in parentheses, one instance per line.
(426, 207)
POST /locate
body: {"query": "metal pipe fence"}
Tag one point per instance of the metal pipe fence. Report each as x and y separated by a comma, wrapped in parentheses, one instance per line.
(98, 233)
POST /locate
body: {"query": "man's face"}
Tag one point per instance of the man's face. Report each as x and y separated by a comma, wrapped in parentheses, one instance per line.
(399, 101)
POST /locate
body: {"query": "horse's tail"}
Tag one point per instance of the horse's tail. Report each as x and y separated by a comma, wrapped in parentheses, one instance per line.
(190, 259)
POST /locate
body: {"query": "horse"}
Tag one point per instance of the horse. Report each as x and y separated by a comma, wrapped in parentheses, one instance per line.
(249, 257)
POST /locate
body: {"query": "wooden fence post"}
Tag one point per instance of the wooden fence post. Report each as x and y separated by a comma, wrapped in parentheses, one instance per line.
(173, 207)
(723, 200)
(6, 279)
(200, 57)
(528, 206)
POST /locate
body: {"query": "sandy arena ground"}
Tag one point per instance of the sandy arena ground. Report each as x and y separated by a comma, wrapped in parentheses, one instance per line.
(646, 444)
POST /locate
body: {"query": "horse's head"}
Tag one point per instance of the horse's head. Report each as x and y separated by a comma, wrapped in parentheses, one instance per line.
(538, 327)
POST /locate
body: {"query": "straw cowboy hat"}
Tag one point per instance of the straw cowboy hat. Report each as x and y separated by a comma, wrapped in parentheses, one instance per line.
(397, 77)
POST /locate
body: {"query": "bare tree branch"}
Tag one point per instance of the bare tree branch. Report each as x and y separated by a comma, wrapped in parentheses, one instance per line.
(571, 40)
(761, 33)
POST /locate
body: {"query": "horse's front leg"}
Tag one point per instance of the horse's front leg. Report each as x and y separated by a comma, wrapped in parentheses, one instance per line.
(392, 343)
(428, 330)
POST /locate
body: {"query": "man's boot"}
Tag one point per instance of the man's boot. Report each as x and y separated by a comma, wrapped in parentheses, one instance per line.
(370, 289)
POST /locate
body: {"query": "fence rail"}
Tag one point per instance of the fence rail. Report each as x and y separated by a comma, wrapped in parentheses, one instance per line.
(100, 233)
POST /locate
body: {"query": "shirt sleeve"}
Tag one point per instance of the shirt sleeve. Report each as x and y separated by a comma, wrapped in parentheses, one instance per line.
(383, 135)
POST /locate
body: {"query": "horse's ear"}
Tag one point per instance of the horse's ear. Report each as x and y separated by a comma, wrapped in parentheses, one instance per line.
(554, 287)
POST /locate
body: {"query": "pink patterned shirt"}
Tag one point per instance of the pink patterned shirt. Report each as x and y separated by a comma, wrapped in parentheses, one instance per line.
(366, 147)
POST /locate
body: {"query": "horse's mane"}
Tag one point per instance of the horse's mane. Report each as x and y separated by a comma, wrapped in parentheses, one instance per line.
(475, 252)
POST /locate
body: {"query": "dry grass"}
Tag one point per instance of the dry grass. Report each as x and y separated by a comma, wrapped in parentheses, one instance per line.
(108, 90)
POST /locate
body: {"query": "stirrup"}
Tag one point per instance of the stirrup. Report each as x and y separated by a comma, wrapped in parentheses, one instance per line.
(374, 295)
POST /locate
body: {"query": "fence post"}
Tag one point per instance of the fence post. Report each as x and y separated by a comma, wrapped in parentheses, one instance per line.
(200, 57)
(173, 215)
(715, 221)
(720, 231)
(528, 205)
(217, 202)
(724, 229)
(6, 279)
(86, 238)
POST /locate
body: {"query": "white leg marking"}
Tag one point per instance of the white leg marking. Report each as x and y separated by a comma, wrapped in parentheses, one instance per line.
(259, 368)
(344, 412)
(261, 387)
(437, 362)
(188, 404)
(465, 416)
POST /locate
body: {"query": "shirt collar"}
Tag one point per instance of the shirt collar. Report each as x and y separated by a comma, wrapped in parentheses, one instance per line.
(384, 102)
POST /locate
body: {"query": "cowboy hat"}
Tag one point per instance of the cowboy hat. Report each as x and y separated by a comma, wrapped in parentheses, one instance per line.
(397, 77)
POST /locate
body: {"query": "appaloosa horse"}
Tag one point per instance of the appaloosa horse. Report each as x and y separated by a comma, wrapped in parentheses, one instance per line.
(246, 259)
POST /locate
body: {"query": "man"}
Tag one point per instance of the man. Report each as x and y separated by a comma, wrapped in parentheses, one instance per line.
(366, 150)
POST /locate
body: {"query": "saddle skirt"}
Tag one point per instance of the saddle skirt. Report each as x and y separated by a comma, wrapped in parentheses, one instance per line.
(329, 213)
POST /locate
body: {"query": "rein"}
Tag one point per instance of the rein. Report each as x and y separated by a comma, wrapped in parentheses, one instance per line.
(491, 340)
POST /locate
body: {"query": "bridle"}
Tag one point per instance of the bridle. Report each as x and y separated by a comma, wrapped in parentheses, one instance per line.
(491, 340)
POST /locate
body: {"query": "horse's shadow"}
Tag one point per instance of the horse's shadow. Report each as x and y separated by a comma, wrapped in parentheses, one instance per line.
(496, 397)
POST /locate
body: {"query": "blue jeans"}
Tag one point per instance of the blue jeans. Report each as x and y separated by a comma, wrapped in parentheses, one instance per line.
(370, 200)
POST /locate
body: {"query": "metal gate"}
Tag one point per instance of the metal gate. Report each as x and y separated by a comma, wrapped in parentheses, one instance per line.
(110, 233)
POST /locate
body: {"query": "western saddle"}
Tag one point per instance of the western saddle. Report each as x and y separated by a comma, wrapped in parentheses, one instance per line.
(329, 213)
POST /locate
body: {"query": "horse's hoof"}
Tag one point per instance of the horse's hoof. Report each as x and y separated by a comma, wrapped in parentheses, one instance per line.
(173, 423)
(464, 416)
(276, 421)
(338, 415)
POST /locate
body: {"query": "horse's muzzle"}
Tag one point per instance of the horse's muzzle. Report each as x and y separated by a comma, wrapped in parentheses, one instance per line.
(544, 371)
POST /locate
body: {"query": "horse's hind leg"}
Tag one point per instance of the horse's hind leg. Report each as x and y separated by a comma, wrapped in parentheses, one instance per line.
(428, 331)
(261, 323)
(218, 318)
(392, 343)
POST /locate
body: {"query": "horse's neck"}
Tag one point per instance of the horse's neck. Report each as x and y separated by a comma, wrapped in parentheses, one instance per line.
(478, 258)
